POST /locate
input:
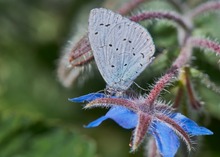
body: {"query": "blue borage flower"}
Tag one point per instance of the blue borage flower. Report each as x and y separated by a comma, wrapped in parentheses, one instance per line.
(160, 121)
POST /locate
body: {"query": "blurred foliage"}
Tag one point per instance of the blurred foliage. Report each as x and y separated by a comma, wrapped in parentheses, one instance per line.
(25, 137)
(36, 118)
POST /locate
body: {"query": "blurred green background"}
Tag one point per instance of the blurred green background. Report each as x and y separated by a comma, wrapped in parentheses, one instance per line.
(36, 119)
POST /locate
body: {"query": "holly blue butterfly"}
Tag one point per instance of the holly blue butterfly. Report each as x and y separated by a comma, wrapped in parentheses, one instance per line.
(122, 48)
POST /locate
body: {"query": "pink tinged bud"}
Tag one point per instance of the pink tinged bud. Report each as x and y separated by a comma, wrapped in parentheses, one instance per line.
(67, 74)
(81, 52)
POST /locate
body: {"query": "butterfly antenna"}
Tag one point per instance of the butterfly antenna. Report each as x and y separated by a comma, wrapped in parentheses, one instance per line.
(140, 87)
(100, 91)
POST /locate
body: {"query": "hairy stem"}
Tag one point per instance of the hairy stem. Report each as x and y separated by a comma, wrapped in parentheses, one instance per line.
(205, 44)
(181, 60)
(205, 7)
(104, 102)
(159, 86)
(172, 16)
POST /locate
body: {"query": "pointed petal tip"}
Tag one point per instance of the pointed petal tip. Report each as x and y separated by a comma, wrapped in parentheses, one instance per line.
(190, 126)
(72, 99)
(77, 100)
(96, 122)
(207, 131)
(87, 97)
(210, 133)
(88, 126)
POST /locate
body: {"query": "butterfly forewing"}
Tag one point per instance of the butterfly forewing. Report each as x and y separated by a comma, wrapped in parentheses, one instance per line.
(100, 22)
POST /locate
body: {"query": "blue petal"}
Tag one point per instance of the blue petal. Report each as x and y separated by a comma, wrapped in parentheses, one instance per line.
(190, 126)
(122, 116)
(166, 140)
(97, 122)
(88, 97)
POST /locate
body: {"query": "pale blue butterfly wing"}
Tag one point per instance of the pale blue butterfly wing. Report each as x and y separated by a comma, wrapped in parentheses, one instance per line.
(133, 52)
(122, 49)
(101, 22)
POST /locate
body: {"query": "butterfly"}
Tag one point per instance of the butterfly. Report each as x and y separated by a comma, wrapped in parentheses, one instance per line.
(122, 49)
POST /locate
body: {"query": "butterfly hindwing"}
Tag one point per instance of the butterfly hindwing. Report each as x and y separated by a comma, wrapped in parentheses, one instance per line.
(130, 52)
